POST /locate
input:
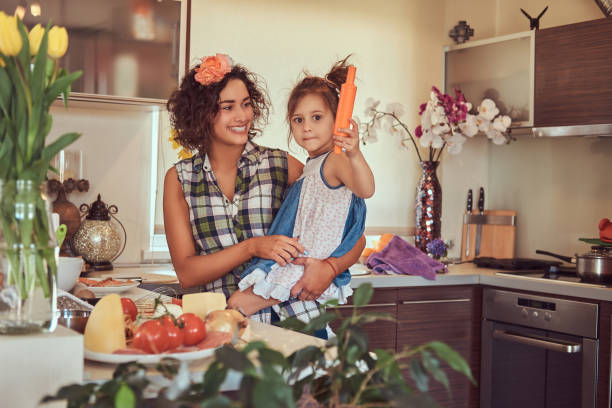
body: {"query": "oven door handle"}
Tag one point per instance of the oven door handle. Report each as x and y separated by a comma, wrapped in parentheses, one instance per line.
(537, 341)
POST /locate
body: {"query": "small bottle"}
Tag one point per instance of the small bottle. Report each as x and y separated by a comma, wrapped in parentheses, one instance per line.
(345, 105)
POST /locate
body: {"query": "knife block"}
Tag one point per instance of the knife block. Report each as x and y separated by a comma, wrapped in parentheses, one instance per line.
(497, 236)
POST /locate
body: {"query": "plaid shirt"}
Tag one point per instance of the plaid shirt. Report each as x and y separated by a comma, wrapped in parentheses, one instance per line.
(219, 223)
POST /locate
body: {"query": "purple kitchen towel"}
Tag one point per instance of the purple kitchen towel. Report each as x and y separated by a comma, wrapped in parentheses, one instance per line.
(402, 258)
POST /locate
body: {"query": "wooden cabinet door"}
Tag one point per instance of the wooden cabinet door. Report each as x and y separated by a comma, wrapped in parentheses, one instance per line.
(450, 314)
(573, 74)
(381, 333)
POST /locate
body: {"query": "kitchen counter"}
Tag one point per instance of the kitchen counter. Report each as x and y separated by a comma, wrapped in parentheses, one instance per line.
(461, 274)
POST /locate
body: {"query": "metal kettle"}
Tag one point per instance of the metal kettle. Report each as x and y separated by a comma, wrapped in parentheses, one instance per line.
(98, 240)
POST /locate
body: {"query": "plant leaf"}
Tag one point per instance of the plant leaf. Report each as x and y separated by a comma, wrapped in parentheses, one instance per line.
(452, 358)
(218, 401)
(432, 365)
(213, 378)
(59, 85)
(271, 394)
(125, 397)
(232, 358)
(305, 356)
(363, 294)
(273, 357)
(292, 323)
(320, 322)
(253, 345)
(418, 374)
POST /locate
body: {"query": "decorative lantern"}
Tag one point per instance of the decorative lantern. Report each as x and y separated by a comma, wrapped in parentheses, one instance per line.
(98, 240)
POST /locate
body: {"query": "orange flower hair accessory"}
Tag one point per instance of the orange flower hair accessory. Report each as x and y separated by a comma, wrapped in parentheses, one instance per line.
(213, 68)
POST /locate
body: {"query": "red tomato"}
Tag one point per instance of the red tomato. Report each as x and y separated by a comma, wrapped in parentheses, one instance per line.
(129, 308)
(176, 301)
(194, 329)
(152, 337)
(175, 334)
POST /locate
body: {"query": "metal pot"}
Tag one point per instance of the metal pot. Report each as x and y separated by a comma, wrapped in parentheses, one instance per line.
(594, 266)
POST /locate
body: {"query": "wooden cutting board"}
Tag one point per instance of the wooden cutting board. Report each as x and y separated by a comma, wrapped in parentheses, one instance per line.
(497, 241)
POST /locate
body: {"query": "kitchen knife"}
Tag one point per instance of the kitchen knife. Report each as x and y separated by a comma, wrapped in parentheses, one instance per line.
(467, 233)
(479, 226)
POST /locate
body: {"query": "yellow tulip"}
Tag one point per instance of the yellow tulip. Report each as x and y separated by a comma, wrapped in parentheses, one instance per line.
(2, 64)
(58, 42)
(10, 38)
(35, 37)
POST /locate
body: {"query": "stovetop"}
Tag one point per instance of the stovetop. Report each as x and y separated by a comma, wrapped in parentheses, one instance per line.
(535, 269)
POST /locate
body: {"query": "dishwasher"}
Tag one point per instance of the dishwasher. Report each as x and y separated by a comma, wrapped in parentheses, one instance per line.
(538, 351)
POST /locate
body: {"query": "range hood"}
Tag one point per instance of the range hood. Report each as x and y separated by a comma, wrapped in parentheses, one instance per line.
(601, 130)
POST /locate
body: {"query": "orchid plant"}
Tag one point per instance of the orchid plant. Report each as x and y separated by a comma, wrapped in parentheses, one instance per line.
(446, 122)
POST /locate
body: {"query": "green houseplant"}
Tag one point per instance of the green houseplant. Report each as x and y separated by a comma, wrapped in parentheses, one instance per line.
(30, 80)
(341, 374)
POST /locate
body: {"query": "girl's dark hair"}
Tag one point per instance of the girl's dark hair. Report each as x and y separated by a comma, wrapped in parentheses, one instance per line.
(193, 107)
(328, 88)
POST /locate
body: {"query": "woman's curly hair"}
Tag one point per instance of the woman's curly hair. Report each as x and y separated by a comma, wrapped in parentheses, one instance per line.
(193, 107)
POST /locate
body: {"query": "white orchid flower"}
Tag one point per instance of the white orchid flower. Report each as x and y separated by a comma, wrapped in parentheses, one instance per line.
(441, 129)
(437, 142)
(469, 127)
(396, 108)
(438, 116)
(371, 105)
(427, 138)
(371, 134)
(501, 123)
(426, 119)
(483, 124)
(497, 137)
(455, 143)
(487, 109)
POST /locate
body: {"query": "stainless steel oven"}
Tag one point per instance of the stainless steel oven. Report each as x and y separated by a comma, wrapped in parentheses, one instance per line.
(538, 352)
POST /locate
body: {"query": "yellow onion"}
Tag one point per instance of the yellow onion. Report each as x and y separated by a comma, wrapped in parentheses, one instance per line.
(35, 38)
(228, 321)
(10, 38)
(58, 42)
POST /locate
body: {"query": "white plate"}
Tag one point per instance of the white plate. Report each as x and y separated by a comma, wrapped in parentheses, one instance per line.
(359, 269)
(105, 290)
(147, 358)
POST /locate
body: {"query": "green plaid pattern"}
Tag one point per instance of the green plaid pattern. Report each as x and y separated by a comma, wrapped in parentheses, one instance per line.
(218, 223)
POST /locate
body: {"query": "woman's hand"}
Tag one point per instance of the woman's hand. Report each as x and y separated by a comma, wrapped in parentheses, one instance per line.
(350, 142)
(317, 277)
(279, 248)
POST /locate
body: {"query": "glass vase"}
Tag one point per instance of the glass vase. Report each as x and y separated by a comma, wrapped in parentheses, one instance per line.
(28, 259)
(428, 208)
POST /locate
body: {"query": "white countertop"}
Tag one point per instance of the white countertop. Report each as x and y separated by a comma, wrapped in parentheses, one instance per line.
(470, 274)
(462, 274)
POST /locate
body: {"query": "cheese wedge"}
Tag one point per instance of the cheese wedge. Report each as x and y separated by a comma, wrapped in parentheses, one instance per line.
(105, 329)
(202, 303)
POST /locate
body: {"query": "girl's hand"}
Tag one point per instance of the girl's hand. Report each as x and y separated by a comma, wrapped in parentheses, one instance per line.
(349, 143)
(279, 248)
(317, 277)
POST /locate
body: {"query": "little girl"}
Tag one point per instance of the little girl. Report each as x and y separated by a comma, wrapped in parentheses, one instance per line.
(325, 207)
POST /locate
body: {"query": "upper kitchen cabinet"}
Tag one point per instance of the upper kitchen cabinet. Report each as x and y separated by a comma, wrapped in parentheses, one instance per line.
(129, 51)
(500, 69)
(573, 74)
(556, 81)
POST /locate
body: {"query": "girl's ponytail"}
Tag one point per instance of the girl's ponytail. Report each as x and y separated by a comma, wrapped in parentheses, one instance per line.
(337, 74)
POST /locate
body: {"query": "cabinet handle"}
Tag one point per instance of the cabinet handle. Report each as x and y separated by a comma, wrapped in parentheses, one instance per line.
(421, 302)
(372, 305)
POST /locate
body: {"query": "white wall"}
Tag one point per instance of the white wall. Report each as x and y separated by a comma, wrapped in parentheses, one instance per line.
(397, 48)
(116, 146)
(397, 51)
(561, 187)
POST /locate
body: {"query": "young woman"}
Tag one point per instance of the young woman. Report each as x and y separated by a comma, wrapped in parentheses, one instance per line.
(325, 208)
(219, 204)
